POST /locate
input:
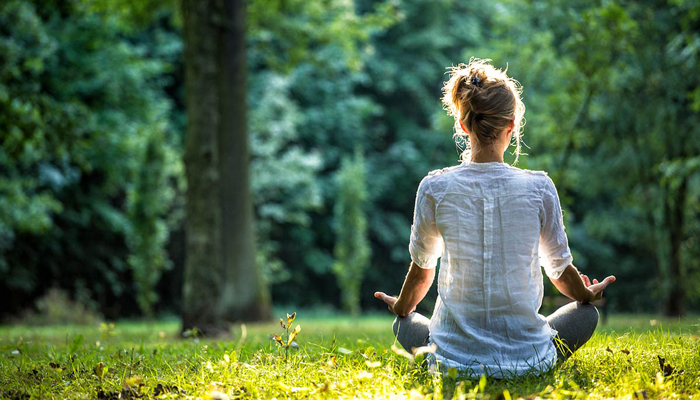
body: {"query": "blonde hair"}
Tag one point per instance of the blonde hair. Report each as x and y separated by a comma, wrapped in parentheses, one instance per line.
(486, 100)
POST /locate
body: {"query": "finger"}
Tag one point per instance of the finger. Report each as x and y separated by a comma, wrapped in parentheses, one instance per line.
(384, 297)
(586, 281)
(610, 279)
(389, 300)
(595, 281)
(602, 285)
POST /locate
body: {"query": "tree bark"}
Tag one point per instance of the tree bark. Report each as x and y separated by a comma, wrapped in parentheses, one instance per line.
(221, 281)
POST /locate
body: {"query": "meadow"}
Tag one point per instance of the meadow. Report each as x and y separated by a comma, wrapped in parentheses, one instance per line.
(629, 357)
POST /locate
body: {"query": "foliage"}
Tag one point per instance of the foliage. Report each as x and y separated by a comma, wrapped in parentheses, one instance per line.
(87, 88)
(279, 203)
(309, 28)
(148, 208)
(336, 359)
(80, 104)
(305, 116)
(352, 249)
(643, 147)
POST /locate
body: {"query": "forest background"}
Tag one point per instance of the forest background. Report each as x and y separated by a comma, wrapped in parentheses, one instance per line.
(344, 121)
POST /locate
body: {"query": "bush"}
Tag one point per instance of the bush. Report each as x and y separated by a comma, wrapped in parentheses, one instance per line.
(56, 307)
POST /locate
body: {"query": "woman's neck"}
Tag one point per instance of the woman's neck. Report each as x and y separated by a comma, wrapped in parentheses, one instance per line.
(489, 152)
(485, 155)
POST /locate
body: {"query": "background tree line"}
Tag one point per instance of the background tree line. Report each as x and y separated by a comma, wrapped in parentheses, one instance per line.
(92, 116)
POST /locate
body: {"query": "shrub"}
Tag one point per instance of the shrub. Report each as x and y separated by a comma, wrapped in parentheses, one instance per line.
(56, 307)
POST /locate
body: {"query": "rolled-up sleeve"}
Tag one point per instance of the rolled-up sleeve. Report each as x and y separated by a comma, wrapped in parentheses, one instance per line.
(426, 244)
(554, 251)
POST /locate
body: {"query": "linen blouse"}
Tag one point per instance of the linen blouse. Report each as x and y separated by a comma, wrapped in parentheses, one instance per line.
(493, 225)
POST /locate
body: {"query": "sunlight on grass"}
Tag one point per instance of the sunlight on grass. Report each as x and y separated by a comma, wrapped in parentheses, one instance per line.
(338, 357)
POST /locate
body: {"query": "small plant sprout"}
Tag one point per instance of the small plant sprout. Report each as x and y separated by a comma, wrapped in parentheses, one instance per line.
(107, 330)
(287, 339)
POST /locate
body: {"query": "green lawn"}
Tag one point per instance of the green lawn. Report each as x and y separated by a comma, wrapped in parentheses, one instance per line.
(339, 357)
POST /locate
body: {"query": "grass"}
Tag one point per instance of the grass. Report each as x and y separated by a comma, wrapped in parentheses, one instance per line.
(338, 357)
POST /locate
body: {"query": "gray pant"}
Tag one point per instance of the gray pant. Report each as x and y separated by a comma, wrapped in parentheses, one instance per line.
(575, 323)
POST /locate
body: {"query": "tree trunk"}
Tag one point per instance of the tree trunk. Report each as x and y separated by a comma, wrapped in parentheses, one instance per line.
(675, 209)
(221, 281)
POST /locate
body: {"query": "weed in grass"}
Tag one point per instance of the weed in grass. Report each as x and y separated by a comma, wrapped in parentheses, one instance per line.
(287, 340)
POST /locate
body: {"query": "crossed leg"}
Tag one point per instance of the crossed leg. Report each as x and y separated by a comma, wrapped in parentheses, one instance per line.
(412, 330)
(575, 323)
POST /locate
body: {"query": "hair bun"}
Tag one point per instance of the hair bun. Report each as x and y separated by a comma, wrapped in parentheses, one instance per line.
(484, 100)
(477, 76)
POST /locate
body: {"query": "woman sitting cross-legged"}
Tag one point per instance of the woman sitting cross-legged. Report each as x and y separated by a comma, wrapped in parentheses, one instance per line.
(493, 225)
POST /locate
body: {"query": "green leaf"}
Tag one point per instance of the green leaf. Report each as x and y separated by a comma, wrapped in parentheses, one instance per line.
(293, 335)
(77, 341)
(290, 318)
(100, 370)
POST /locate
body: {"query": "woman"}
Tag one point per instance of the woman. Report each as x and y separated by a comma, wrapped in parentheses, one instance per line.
(493, 225)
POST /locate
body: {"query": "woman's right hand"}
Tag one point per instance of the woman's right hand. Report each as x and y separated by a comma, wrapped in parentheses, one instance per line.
(392, 302)
(389, 300)
(596, 288)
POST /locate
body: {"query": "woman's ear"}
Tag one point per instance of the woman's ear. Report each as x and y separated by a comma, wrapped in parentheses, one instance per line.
(464, 128)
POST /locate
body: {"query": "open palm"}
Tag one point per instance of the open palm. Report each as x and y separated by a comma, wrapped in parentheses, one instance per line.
(597, 287)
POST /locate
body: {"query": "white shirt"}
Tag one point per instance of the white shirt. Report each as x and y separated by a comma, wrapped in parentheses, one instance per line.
(490, 223)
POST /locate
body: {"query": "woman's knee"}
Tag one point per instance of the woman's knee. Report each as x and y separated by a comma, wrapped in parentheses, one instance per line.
(588, 317)
(399, 321)
(395, 326)
(587, 313)
(591, 314)
(412, 330)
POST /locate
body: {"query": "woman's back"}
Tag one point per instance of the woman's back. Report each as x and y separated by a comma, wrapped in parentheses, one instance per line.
(490, 217)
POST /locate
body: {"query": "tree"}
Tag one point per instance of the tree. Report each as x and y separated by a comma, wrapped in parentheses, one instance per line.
(222, 282)
(352, 250)
(148, 206)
